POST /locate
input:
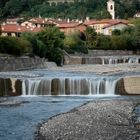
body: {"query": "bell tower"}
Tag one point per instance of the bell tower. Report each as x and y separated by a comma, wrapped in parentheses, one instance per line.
(111, 8)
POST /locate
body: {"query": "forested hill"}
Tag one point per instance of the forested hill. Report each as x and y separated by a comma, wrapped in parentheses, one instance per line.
(90, 8)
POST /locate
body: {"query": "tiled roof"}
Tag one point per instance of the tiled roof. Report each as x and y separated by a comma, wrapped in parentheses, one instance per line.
(103, 21)
(14, 28)
(42, 21)
(68, 24)
(115, 23)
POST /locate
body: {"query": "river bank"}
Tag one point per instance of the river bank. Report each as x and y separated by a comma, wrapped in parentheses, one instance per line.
(116, 119)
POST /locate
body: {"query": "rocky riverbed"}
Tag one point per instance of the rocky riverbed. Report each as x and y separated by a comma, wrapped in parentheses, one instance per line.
(117, 119)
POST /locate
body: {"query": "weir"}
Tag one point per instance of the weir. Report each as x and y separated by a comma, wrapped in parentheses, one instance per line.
(70, 86)
(110, 60)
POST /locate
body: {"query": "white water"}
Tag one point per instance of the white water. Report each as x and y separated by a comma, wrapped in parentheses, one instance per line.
(117, 60)
(69, 86)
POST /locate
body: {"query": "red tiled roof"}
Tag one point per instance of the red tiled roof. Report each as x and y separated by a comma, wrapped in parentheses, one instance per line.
(107, 21)
(115, 23)
(41, 21)
(14, 28)
(68, 24)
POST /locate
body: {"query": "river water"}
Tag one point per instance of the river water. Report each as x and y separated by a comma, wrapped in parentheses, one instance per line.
(20, 121)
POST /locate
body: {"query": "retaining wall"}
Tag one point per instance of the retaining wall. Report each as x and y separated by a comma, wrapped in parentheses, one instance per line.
(94, 53)
(21, 63)
(95, 56)
(128, 86)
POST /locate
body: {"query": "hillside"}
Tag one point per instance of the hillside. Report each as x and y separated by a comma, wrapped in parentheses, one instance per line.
(90, 8)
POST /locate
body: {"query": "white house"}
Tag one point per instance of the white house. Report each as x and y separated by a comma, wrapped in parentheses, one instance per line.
(107, 30)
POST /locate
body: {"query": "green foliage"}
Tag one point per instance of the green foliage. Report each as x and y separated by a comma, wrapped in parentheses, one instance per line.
(91, 8)
(116, 32)
(103, 42)
(51, 44)
(47, 43)
(14, 46)
(38, 47)
(73, 43)
(90, 36)
(51, 37)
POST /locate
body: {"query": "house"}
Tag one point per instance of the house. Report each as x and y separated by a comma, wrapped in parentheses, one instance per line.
(42, 22)
(56, 2)
(71, 27)
(119, 25)
(16, 29)
(98, 24)
(12, 20)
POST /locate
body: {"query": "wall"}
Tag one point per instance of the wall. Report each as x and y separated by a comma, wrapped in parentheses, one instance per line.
(128, 86)
(95, 55)
(21, 63)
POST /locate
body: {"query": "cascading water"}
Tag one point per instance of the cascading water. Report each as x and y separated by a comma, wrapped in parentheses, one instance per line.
(69, 86)
(117, 60)
(111, 60)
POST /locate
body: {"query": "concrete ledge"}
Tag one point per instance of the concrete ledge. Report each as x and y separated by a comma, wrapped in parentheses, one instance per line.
(128, 86)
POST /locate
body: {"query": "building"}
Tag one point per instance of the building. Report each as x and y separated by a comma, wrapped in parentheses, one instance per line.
(56, 2)
(101, 26)
(98, 24)
(16, 30)
(71, 27)
(111, 8)
(119, 25)
(42, 22)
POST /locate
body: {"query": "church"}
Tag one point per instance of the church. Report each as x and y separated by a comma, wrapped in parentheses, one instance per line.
(111, 8)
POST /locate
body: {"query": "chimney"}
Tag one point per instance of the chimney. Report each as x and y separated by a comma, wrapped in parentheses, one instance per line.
(87, 19)
(68, 20)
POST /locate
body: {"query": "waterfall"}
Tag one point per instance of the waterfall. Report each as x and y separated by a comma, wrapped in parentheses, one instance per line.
(69, 86)
(114, 60)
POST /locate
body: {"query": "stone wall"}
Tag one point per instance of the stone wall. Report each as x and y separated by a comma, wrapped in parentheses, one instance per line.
(128, 86)
(20, 63)
(96, 56)
(10, 87)
(94, 53)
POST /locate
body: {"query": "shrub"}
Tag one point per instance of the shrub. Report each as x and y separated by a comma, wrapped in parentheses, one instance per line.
(14, 46)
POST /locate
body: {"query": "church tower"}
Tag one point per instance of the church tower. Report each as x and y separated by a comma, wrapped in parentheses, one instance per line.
(111, 8)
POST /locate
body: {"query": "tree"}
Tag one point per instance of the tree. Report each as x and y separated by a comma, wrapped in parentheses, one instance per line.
(116, 32)
(14, 46)
(73, 43)
(90, 35)
(52, 38)
(103, 42)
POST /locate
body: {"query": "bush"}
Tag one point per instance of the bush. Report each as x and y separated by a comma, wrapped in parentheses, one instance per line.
(14, 46)
(103, 42)
(73, 43)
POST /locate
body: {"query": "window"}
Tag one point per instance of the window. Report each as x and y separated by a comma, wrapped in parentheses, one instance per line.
(111, 7)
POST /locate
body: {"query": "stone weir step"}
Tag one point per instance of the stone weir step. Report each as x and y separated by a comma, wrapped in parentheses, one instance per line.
(14, 87)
